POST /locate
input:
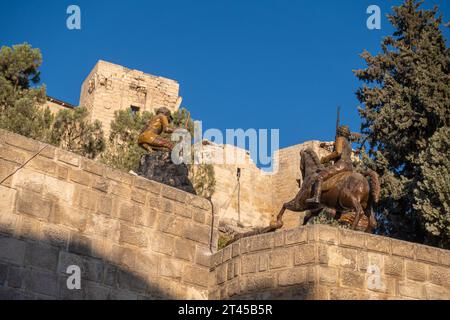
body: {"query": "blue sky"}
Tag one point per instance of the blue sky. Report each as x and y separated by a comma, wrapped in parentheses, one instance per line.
(240, 64)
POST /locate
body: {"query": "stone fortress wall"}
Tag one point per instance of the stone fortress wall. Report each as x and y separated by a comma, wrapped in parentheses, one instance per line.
(131, 237)
(319, 262)
(138, 239)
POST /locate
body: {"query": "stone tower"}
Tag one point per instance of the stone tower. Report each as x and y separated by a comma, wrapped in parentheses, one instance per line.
(110, 87)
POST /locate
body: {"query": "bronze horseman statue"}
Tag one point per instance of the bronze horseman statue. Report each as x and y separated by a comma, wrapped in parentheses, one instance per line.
(345, 194)
(343, 163)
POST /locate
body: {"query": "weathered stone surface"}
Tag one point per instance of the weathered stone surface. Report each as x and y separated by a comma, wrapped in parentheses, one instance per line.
(280, 258)
(12, 250)
(292, 276)
(195, 275)
(41, 256)
(304, 254)
(156, 167)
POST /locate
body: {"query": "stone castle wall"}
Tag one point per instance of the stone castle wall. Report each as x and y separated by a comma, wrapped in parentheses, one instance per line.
(324, 263)
(131, 237)
(138, 239)
(110, 87)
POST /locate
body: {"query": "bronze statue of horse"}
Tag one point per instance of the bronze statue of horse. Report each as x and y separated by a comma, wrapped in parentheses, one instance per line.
(346, 192)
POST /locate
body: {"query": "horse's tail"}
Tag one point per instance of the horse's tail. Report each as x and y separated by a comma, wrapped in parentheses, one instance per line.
(374, 196)
(374, 185)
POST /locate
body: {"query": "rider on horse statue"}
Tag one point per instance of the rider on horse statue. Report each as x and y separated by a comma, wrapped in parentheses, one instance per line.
(342, 163)
(150, 138)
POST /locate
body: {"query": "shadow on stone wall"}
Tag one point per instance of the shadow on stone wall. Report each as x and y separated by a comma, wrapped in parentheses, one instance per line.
(32, 268)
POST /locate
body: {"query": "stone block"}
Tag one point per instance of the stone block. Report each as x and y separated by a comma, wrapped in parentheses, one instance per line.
(170, 268)
(21, 142)
(123, 256)
(174, 194)
(304, 254)
(296, 236)
(195, 275)
(346, 294)
(13, 154)
(199, 216)
(171, 224)
(393, 266)
(416, 270)
(259, 282)
(86, 199)
(138, 196)
(146, 217)
(328, 276)
(128, 281)
(184, 249)
(434, 292)
(68, 157)
(12, 250)
(68, 216)
(377, 243)
(6, 169)
(203, 256)
(351, 238)
(261, 242)
(293, 276)
(32, 204)
(250, 263)
(427, 254)
(132, 235)
(42, 282)
(147, 185)
(3, 273)
(16, 276)
(197, 232)
(411, 289)
(146, 263)
(128, 212)
(328, 234)
(100, 184)
(352, 279)
(79, 244)
(280, 258)
(119, 176)
(162, 243)
(337, 256)
(92, 167)
(105, 205)
(41, 256)
(44, 165)
(444, 257)
(439, 275)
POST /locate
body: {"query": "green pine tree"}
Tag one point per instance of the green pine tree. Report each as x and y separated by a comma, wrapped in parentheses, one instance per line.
(405, 116)
(73, 131)
(20, 96)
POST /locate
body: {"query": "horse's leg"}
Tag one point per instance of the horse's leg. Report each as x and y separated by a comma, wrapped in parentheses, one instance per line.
(359, 212)
(278, 223)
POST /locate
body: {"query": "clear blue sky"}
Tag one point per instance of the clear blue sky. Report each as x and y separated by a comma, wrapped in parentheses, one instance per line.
(240, 64)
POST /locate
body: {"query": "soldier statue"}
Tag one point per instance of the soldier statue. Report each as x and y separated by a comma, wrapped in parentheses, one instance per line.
(150, 138)
(342, 163)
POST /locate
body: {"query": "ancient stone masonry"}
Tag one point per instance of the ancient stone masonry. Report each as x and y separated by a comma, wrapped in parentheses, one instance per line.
(131, 237)
(321, 262)
(110, 87)
(138, 239)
